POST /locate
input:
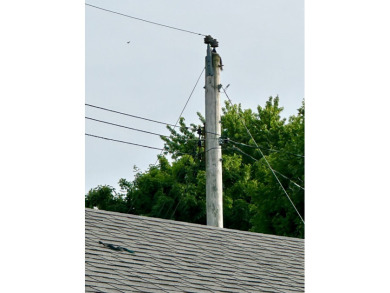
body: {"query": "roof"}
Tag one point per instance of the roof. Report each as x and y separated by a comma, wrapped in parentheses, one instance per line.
(172, 256)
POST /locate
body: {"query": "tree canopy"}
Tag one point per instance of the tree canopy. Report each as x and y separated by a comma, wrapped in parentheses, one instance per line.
(253, 199)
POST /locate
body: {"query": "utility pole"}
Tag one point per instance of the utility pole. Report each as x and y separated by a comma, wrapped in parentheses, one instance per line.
(213, 134)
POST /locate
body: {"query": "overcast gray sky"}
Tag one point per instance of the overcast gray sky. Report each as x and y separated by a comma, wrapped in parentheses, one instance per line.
(261, 45)
(347, 73)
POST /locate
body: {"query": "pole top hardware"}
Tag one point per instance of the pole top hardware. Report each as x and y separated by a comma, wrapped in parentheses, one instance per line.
(211, 41)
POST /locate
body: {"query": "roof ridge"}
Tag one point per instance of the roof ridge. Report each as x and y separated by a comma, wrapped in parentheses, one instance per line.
(194, 225)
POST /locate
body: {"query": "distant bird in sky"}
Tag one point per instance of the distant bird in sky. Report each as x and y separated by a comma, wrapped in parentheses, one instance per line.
(227, 86)
(128, 42)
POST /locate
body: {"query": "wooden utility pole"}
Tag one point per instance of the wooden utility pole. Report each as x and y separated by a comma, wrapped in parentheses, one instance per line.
(213, 134)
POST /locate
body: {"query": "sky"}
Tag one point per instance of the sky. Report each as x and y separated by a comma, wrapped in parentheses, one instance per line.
(44, 86)
(149, 71)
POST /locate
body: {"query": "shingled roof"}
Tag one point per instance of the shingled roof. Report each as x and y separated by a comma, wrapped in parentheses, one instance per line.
(171, 256)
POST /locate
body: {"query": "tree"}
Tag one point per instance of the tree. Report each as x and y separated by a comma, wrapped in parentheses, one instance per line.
(274, 213)
(168, 191)
(105, 198)
(252, 196)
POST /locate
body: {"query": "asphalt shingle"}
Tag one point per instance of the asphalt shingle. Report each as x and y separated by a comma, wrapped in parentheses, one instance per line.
(171, 256)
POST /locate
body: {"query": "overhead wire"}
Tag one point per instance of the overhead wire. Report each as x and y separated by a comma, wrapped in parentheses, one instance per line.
(244, 153)
(135, 129)
(146, 118)
(132, 143)
(161, 135)
(193, 89)
(134, 116)
(151, 120)
(143, 118)
(121, 141)
(183, 30)
(139, 117)
(178, 119)
(130, 115)
(131, 128)
(140, 130)
(144, 20)
(284, 176)
(265, 159)
(271, 150)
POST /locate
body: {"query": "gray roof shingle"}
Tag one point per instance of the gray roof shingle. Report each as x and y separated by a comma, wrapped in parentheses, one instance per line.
(171, 256)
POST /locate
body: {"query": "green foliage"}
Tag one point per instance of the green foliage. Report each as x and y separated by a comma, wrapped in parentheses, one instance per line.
(105, 198)
(168, 191)
(253, 199)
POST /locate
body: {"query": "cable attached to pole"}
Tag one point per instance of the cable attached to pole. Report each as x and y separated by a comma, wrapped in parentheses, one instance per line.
(126, 142)
(144, 20)
(134, 116)
(272, 170)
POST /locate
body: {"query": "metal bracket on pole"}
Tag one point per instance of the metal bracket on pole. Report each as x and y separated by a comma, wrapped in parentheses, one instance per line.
(209, 62)
(210, 41)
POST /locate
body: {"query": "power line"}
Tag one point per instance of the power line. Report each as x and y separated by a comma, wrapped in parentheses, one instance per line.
(130, 115)
(138, 117)
(244, 153)
(243, 122)
(284, 176)
(144, 20)
(131, 128)
(135, 129)
(289, 179)
(126, 142)
(178, 119)
(271, 150)
(131, 143)
(158, 134)
(190, 96)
